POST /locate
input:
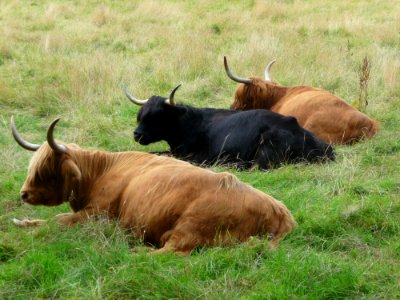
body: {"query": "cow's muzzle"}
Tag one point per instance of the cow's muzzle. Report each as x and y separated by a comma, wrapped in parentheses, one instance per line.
(24, 196)
(140, 138)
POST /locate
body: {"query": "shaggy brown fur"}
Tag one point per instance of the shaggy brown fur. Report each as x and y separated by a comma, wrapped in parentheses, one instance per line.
(170, 203)
(326, 115)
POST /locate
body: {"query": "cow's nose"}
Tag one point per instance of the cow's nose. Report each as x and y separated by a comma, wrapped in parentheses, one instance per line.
(24, 196)
(137, 136)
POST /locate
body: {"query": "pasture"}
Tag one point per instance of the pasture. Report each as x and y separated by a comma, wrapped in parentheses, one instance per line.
(68, 59)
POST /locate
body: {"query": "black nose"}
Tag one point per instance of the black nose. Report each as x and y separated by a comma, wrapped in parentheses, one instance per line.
(24, 196)
(137, 136)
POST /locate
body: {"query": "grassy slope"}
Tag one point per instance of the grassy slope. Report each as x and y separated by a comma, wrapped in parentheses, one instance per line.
(67, 59)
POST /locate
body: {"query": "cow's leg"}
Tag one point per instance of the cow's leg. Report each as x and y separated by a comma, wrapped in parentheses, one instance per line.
(169, 247)
(142, 248)
(181, 240)
(62, 215)
(266, 157)
(70, 219)
(177, 241)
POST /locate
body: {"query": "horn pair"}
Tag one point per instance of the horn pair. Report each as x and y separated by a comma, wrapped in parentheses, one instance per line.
(136, 101)
(246, 80)
(33, 147)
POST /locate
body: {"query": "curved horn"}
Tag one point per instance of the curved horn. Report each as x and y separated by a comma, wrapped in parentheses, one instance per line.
(267, 69)
(234, 77)
(24, 144)
(50, 139)
(170, 99)
(133, 99)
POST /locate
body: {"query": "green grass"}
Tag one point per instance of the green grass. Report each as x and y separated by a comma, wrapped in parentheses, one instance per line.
(67, 59)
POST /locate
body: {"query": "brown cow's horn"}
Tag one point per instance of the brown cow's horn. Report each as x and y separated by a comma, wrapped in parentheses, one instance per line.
(133, 99)
(24, 144)
(234, 77)
(267, 69)
(50, 139)
(171, 100)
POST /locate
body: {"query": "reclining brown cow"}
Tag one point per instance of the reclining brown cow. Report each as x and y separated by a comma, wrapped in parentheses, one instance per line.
(326, 115)
(168, 202)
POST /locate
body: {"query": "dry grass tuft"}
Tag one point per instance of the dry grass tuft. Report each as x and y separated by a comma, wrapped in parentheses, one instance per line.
(57, 10)
(159, 10)
(54, 41)
(364, 78)
(102, 16)
(391, 74)
(268, 9)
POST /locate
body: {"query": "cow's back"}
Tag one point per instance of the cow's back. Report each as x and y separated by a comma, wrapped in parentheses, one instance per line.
(300, 102)
(326, 115)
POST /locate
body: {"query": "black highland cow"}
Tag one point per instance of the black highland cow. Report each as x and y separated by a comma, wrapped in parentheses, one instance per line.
(220, 136)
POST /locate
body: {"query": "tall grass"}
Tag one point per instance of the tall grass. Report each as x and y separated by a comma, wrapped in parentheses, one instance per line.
(68, 59)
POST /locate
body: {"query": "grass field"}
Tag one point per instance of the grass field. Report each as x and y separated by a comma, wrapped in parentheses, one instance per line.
(67, 59)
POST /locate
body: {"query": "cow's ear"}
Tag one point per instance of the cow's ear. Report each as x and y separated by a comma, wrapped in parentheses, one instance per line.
(70, 169)
(291, 120)
(71, 175)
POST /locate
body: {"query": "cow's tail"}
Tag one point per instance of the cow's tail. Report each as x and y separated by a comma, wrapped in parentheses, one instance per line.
(373, 129)
(368, 128)
(286, 225)
(360, 126)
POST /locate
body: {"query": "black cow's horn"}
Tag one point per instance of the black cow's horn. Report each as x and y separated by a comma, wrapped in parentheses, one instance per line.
(24, 144)
(50, 139)
(170, 99)
(133, 99)
(267, 69)
(234, 77)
